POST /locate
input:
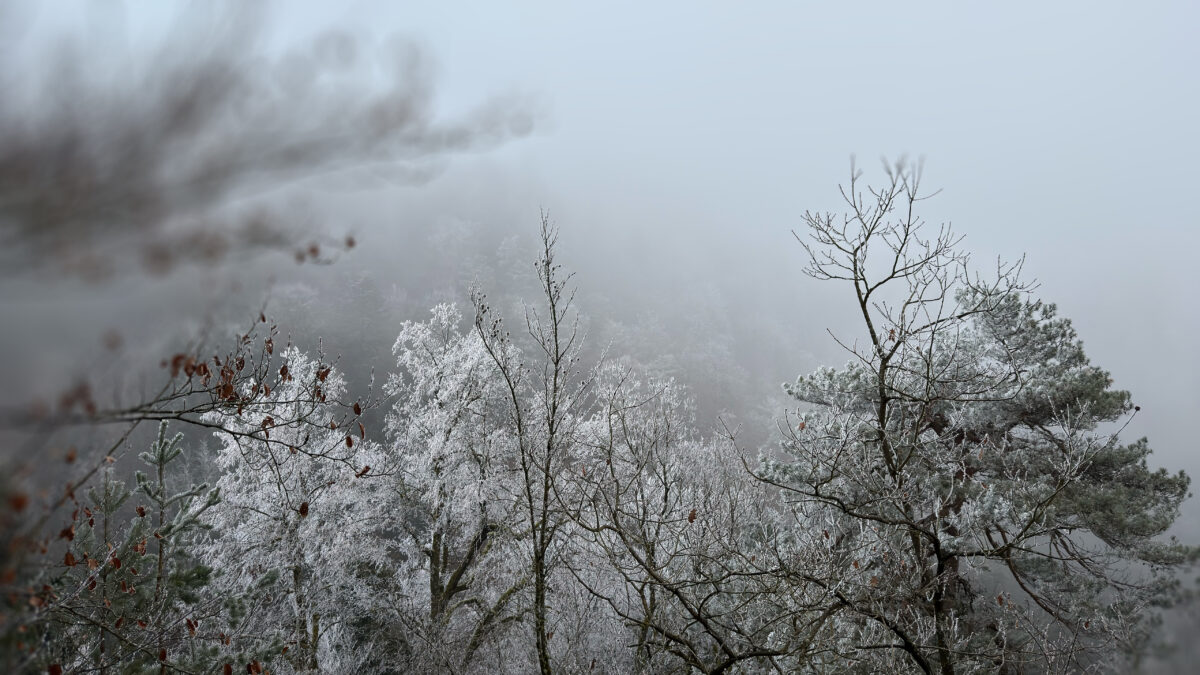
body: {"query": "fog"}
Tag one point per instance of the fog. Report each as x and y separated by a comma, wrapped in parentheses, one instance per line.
(677, 146)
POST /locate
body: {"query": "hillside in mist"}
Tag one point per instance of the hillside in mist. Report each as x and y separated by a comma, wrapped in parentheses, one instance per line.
(543, 339)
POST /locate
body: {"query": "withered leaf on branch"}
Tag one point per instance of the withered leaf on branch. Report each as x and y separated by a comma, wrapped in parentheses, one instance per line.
(17, 502)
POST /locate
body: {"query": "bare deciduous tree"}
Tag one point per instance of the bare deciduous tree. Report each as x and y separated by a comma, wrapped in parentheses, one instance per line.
(547, 400)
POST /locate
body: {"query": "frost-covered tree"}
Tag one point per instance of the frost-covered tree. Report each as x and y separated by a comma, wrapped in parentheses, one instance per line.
(449, 488)
(963, 471)
(290, 545)
(159, 164)
(675, 538)
(546, 400)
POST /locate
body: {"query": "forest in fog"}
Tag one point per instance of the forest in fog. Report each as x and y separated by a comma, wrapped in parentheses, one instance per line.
(308, 376)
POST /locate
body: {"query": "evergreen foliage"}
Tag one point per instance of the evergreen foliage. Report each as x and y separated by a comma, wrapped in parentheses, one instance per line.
(131, 595)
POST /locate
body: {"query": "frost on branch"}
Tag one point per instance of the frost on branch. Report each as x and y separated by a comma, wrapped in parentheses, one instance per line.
(980, 518)
(290, 541)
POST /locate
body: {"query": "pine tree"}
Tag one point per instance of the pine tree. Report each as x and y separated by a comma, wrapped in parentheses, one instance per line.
(962, 480)
(130, 595)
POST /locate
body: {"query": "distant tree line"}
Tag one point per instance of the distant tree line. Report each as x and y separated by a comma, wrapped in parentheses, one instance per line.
(954, 499)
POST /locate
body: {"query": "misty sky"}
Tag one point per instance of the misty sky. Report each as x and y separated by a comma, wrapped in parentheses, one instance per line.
(1066, 131)
(685, 140)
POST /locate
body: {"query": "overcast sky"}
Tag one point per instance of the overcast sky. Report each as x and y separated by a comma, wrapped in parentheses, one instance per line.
(1065, 131)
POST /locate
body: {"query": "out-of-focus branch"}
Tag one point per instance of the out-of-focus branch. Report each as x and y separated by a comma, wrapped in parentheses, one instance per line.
(164, 159)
